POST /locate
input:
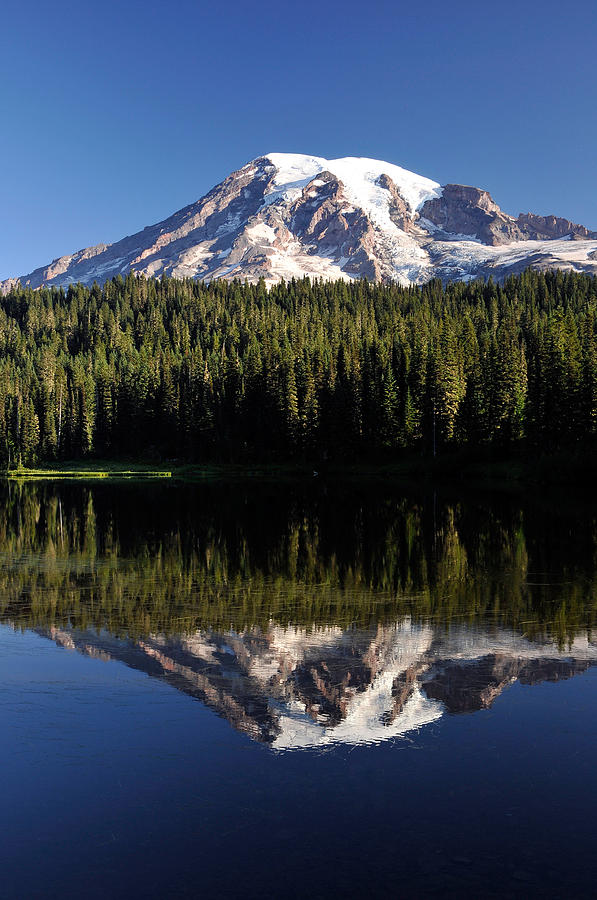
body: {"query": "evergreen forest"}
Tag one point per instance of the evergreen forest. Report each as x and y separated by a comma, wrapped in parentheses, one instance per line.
(177, 369)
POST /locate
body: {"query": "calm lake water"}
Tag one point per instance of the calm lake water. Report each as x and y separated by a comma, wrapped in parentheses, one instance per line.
(296, 690)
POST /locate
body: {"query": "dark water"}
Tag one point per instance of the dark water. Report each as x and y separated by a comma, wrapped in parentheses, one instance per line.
(316, 690)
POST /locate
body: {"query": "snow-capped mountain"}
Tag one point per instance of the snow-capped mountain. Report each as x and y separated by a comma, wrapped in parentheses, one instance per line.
(288, 215)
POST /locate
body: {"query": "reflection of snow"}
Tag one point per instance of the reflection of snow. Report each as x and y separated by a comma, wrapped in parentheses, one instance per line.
(295, 687)
(470, 644)
(370, 716)
(364, 723)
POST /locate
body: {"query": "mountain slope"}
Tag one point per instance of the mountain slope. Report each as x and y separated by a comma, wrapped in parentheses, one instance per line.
(288, 215)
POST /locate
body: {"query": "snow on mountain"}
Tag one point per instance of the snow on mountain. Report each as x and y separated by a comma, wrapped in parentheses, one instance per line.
(287, 215)
(359, 176)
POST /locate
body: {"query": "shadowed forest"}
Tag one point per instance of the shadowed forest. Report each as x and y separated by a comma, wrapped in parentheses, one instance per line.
(315, 371)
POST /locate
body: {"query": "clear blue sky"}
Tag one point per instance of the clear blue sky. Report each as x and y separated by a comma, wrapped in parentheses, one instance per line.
(115, 114)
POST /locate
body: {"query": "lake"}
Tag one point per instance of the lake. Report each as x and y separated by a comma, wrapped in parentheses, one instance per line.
(301, 689)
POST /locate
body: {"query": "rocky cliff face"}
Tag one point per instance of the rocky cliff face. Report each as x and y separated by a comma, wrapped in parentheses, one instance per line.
(462, 210)
(287, 215)
(468, 211)
(538, 228)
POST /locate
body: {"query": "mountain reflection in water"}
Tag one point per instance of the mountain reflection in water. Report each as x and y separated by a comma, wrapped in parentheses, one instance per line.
(297, 688)
(307, 614)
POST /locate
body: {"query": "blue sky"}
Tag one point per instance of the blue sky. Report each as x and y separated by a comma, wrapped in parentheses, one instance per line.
(117, 114)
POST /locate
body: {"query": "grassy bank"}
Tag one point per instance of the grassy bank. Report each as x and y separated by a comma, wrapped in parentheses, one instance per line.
(89, 469)
(576, 465)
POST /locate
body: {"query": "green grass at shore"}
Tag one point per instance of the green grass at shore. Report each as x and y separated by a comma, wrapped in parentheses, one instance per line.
(89, 469)
(575, 465)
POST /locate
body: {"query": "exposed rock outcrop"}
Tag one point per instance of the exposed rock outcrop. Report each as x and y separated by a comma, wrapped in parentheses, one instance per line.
(538, 228)
(463, 210)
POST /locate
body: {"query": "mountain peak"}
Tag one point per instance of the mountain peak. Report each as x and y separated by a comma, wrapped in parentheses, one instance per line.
(359, 174)
(287, 215)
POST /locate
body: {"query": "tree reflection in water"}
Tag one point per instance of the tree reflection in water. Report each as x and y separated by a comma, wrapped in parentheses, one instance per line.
(307, 614)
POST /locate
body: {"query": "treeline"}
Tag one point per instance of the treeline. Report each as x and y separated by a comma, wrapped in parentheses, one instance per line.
(314, 370)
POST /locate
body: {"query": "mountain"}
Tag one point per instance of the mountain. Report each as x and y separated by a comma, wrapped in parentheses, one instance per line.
(288, 215)
(292, 688)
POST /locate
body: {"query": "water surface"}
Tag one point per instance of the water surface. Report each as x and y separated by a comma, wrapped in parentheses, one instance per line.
(304, 689)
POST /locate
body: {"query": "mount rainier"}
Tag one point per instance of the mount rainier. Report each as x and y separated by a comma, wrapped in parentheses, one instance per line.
(288, 215)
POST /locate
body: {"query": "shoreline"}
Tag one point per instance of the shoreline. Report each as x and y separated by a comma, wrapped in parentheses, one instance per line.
(573, 466)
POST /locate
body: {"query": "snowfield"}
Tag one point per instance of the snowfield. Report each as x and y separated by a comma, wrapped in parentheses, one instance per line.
(358, 175)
